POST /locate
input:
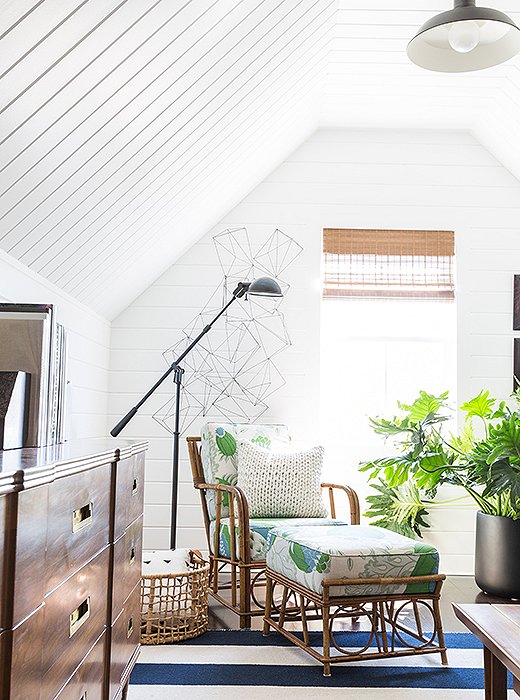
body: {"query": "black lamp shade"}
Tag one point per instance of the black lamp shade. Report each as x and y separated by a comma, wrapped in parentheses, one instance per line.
(466, 38)
(265, 287)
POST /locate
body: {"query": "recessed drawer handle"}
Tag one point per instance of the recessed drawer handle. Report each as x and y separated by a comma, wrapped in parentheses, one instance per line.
(132, 555)
(130, 627)
(134, 487)
(79, 617)
(81, 517)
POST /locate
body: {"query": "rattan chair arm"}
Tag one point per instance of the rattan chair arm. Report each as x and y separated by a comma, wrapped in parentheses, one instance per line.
(235, 490)
(242, 513)
(355, 515)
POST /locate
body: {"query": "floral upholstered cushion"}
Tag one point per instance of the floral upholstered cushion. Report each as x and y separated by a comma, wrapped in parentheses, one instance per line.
(309, 554)
(259, 529)
(281, 484)
(218, 453)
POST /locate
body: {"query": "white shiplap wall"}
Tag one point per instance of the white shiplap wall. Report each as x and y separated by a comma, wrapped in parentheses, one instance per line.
(338, 178)
(88, 343)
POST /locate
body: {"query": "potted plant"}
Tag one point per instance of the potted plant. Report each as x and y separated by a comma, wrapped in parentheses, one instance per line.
(483, 459)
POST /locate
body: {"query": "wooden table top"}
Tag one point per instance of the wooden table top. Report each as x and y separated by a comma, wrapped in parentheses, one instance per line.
(498, 628)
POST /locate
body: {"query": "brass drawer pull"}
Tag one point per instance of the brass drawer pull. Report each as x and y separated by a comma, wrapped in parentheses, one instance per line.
(79, 617)
(130, 627)
(134, 487)
(132, 555)
(81, 517)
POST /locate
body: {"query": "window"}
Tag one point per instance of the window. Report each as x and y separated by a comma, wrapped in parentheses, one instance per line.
(388, 264)
(388, 330)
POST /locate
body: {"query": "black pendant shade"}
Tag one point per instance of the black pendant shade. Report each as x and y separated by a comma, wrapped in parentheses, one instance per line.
(466, 38)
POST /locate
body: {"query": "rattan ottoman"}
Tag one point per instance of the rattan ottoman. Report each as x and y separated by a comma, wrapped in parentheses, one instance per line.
(360, 572)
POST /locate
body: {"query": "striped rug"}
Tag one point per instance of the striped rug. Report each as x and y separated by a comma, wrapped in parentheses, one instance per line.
(246, 665)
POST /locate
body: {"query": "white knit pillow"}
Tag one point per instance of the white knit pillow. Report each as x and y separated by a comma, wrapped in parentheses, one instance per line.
(281, 484)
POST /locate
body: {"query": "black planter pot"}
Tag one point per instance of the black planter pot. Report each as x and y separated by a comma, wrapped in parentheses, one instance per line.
(497, 555)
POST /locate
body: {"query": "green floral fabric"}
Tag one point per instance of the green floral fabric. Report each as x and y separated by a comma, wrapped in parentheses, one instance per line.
(310, 554)
(259, 531)
(218, 452)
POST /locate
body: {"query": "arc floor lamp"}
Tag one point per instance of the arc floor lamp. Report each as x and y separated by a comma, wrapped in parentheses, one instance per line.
(261, 287)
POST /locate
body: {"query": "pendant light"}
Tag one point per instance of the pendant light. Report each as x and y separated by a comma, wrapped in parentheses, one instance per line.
(466, 38)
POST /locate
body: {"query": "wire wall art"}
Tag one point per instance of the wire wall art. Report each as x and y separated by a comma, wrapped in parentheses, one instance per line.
(232, 371)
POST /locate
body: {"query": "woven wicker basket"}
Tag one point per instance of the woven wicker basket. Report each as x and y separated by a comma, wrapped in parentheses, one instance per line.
(174, 607)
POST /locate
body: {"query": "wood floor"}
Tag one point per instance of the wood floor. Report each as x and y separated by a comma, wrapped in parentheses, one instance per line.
(456, 589)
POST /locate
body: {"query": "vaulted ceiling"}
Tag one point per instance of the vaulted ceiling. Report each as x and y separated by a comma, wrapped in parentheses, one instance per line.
(128, 128)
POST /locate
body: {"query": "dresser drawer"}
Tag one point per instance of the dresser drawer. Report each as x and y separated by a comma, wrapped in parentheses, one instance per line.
(4, 664)
(129, 492)
(30, 552)
(79, 520)
(125, 639)
(75, 616)
(3, 533)
(87, 681)
(26, 668)
(127, 565)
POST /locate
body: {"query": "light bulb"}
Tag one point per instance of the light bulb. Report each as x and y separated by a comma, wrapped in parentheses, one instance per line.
(464, 36)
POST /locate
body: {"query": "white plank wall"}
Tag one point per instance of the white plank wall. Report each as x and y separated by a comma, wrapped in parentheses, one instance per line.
(337, 178)
(88, 341)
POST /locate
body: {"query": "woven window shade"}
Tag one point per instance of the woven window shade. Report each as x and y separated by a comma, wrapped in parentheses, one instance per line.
(388, 264)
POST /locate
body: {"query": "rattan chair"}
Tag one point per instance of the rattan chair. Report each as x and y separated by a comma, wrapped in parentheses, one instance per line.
(237, 581)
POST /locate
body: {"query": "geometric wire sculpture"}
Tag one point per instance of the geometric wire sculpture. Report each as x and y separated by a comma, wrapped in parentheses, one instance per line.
(232, 370)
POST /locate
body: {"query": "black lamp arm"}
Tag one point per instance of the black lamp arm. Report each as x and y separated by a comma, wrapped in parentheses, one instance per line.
(126, 419)
(240, 290)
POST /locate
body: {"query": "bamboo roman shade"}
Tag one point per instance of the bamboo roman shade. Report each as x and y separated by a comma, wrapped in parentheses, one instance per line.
(380, 264)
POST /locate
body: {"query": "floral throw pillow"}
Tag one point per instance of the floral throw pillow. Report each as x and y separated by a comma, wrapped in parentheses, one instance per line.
(219, 458)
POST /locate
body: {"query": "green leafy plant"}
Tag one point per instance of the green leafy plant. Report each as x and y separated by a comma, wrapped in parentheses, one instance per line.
(398, 508)
(487, 467)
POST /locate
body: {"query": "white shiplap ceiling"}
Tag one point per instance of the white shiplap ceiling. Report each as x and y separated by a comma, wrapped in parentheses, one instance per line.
(130, 127)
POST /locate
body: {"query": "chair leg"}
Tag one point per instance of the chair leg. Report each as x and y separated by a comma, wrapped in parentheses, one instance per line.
(268, 604)
(214, 574)
(245, 597)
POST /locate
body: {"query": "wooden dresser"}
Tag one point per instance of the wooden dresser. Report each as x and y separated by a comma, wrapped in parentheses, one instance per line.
(70, 569)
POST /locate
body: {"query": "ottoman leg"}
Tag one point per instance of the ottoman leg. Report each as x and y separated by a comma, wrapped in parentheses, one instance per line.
(283, 605)
(440, 631)
(305, 628)
(268, 603)
(417, 616)
(326, 640)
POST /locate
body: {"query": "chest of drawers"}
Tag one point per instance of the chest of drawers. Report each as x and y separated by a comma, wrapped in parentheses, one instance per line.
(70, 569)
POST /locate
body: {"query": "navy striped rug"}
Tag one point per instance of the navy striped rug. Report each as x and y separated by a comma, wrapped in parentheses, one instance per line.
(246, 665)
